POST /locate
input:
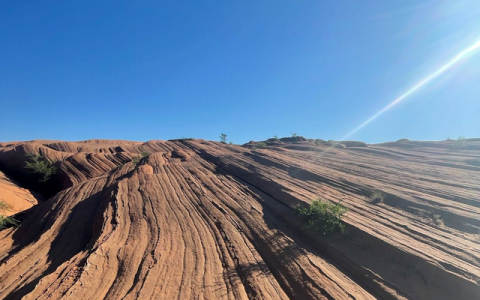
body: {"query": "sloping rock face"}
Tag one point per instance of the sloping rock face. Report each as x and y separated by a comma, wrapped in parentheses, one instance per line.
(15, 197)
(204, 220)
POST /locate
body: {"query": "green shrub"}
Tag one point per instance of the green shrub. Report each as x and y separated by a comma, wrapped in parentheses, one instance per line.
(377, 197)
(4, 206)
(293, 134)
(322, 216)
(135, 160)
(275, 137)
(4, 220)
(261, 145)
(40, 166)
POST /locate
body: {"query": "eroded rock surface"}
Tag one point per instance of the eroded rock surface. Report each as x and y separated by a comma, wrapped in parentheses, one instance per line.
(15, 197)
(203, 220)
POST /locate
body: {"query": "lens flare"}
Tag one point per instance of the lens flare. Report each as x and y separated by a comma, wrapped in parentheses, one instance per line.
(429, 78)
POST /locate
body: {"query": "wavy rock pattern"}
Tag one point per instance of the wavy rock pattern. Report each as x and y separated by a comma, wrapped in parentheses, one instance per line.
(203, 220)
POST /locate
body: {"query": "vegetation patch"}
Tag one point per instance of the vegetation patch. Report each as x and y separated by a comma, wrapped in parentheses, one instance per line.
(5, 221)
(322, 216)
(136, 159)
(4, 206)
(40, 166)
(377, 197)
(261, 145)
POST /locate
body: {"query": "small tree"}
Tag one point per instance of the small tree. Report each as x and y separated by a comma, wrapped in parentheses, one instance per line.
(40, 166)
(293, 134)
(275, 137)
(223, 138)
(323, 216)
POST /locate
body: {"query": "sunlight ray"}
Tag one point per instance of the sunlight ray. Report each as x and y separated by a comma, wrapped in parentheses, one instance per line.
(459, 57)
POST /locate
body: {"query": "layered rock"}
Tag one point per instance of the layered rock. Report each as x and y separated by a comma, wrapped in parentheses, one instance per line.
(204, 220)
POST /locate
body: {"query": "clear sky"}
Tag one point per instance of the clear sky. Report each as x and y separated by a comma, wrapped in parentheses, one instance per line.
(142, 70)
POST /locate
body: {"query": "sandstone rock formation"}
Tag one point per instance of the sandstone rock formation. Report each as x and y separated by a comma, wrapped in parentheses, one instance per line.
(203, 220)
(15, 197)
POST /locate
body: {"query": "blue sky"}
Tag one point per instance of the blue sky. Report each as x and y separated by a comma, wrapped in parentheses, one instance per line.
(142, 70)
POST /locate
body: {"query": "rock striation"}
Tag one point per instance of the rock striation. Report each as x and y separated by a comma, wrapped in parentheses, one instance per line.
(195, 219)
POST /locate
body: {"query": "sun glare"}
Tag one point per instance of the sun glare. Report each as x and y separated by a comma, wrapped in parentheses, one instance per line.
(458, 58)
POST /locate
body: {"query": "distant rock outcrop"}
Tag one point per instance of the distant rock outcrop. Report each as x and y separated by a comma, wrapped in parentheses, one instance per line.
(293, 139)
